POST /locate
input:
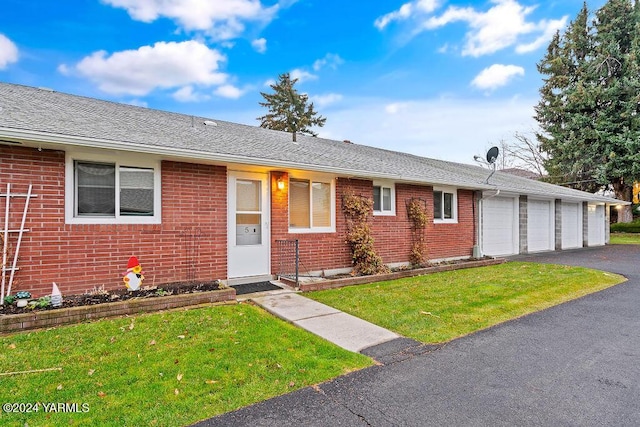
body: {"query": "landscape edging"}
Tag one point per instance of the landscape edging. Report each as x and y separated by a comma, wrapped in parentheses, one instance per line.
(361, 280)
(64, 316)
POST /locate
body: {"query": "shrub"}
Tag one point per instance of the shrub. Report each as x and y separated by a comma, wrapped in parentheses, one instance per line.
(357, 210)
(626, 227)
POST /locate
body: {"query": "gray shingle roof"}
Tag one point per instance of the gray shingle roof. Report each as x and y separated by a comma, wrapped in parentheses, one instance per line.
(86, 120)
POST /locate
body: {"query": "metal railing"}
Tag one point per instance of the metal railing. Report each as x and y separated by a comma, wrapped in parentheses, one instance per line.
(288, 259)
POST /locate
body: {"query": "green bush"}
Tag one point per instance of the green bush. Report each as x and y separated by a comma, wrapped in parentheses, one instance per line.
(626, 227)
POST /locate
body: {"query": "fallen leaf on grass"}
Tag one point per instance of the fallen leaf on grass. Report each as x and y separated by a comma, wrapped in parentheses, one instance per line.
(291, 384)
(211, 381)
(179, 377)
(59, 387)
(152, 342)
(428, 313)
(176, 392)
(91, 371)
(101, 394)
(131, 326)
(181, 337)
(12, 346)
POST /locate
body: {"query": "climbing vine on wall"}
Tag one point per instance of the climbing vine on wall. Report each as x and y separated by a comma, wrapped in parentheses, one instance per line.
(417, 212)
(357, 210)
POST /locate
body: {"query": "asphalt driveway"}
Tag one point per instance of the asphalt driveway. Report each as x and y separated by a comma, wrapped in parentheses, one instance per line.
(577, 364)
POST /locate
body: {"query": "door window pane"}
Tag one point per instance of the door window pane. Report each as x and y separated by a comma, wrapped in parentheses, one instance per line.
(247, 196)
(248, 229)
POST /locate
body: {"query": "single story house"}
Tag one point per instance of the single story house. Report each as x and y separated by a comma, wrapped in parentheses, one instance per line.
(200, 199)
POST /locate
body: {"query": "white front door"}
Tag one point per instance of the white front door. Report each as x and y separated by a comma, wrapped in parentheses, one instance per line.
(249, 230)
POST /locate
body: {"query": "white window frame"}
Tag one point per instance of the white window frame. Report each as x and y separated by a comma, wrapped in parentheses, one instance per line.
(454, 205)
(314, 178)
(390, 185)
(118, 160)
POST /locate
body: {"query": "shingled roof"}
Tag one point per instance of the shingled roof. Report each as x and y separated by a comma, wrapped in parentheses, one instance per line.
(43, 115)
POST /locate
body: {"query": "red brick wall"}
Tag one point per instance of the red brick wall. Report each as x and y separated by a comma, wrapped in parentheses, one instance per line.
(392, 234)
(190, 242)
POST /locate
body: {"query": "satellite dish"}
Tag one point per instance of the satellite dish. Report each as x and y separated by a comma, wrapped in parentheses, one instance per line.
(492, 155)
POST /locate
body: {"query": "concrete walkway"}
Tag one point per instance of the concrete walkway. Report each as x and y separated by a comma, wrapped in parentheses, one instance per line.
(340, 328)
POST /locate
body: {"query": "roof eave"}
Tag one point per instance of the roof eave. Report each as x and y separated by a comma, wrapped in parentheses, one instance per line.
(30, 137)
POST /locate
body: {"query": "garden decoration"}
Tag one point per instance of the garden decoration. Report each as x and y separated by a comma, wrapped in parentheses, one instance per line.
(134, 276)
(22, 298)
(56, 296)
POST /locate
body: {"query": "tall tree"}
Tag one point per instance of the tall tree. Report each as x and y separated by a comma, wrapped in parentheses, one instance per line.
(289, 110)
(589, 111)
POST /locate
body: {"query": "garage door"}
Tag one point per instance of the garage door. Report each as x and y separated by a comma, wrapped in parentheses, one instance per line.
(499, 222)
(540, 226)
(571, 225)
(596, 225)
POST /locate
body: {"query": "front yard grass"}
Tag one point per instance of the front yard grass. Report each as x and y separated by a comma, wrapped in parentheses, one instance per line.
(164, 369)
(625, 239)
(439, 307)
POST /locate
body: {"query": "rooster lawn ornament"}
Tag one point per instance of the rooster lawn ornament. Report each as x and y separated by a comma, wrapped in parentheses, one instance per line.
(133, 277)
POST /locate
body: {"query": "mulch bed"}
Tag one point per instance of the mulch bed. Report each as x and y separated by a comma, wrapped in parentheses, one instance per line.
(176, 288)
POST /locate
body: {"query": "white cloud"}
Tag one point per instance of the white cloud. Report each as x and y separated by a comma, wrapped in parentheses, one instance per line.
(326, 99)
(395, 107)
(163, 65)
(8, 52)
(138, 103)
(406, 11)
(187, 94)
(221, 20)
(330, 60)
(448, 129)
(229, 91)
(548, 29)
(503, 25)
(496, 76)
(302, 75)
(259, 45)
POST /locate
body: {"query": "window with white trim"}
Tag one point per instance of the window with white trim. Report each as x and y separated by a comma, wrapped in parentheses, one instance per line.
(311, 205)
(103, 190)
(384, 199)
(445, 205)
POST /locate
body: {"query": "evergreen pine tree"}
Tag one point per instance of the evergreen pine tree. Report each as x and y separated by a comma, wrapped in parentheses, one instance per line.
(589, 110)
(289, 110)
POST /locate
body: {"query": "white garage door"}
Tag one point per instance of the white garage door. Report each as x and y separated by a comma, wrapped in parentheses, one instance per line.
(596, 225)
(571, 225)
(499, 222)
(540, 226)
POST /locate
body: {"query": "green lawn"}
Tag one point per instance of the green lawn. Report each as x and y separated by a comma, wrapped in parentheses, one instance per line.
(164, 369)
(439, 307)
(625, 239)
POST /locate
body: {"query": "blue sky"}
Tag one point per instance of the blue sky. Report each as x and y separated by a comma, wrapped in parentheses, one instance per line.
(437, 78)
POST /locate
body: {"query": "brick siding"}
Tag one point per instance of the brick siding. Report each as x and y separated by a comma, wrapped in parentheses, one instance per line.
(392, 234)
(80, 257)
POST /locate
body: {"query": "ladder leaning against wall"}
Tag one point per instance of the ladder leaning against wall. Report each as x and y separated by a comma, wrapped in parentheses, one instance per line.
(5, 233)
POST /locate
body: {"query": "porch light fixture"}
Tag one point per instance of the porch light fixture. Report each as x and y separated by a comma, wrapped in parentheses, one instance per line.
(280, 183)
